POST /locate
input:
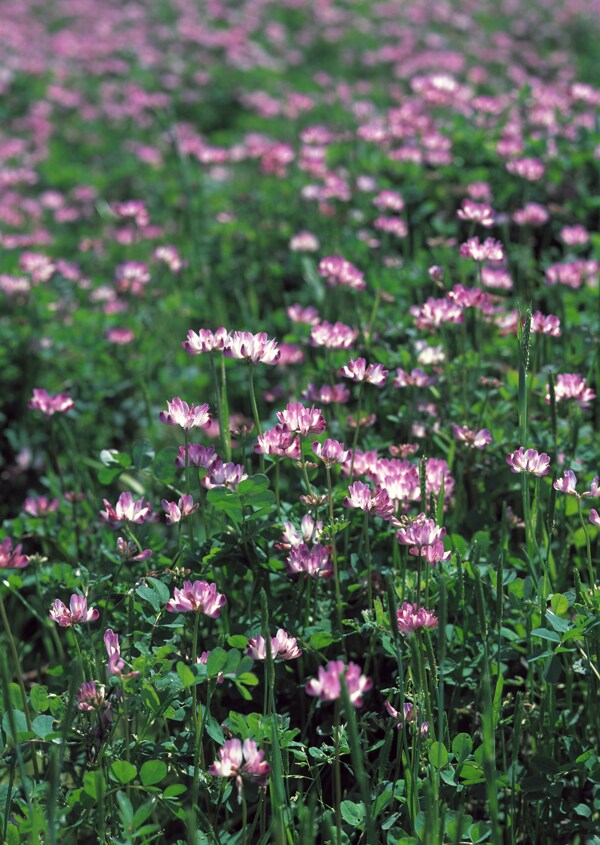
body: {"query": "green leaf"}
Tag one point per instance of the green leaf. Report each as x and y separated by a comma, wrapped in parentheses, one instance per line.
(321, 639)
(462, 745)
(248, 678)
(112, 458)
(546, 634)
(438, 755)
(174, 790)
(353, 814)
(216, 662)
(143, 454)
(253, 485)
(42, 726)
(560, 625)
(151, 596)
(153, 771)
(237, 641)
(479, 832)
(559, 604)
(497, 702)
(123, 771)
(214, 730)
(39, 698)
(125, 809)
(186, 676)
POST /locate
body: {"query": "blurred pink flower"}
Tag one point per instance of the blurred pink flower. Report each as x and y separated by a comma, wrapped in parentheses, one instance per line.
(327, 686)
(283, 647)
(49, 404)
(474, 439)
(206, 341)
(357, 370)
(11, 557)
(175, 511)
(90, 697)
(237, 760)
(572, 386)
(40, 506)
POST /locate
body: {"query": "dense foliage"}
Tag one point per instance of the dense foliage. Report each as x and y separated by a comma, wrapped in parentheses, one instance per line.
(299, 343)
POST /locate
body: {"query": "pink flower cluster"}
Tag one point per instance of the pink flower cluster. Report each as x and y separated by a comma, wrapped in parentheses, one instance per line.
(411, 618)
(283, 647)
(245, 346)
(75, 614)
(197, 597)
(358, 370)
(340, 272)
(126, 510)
(10, 556)
(241, 760)
(187, 416)
(50, 404)
(475, 439)
(327, 686)
(572, 386)
(528, 460)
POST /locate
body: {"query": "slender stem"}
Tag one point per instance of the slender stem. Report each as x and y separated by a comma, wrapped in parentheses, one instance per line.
(588, 547)
(369, 562)
(255, 413)
(336, 574)
(337, 774)
(356, 430)
(19, 672)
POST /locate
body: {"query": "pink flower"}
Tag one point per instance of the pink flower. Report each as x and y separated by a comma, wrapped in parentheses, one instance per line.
(254, 348)
(489, 250)
(574, 235)
(176, 511)
(474, 439)
(542, 324)
(304, 242)
(116, 664)
(390, 200)
(41, 506)
(568, 483)
(237, 760)
(410, 715)
(199, 597)
(327, 686)
(129, 551)
(336, 336)
(283, 647)
(90, 697)
(531, 169)
(169, 255)
(338, 271)
(76, 613)
(572, 386)
(198, 456)
(532, 214)
(225, 474)
(205, 341)
(357, 370)
(378, 502)
(296, 418)
(313, 561)
(529, 461)
(187, 416)
(278, 441)
(434, 312)
(594, 517)
(475, 212)
(327, 394)
(421, 532)
(11, 558)
(309, 531)
(416, 378)
(49, 404)
(411, 618)
(331, 452)
(308, 316)
(126, 510)
(392, 225)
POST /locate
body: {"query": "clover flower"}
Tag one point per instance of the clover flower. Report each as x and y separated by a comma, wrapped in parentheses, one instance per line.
(309, 531)
(40, 506)
(327, 686)
(129, 551)
(126, 510)
(411, 618)
(357, 370)
(197, 597)
(76, 613)
(331, 452)
(313, 561)
(238, 761)
(327, 394)
(567, 484)
(278, 441)
(11, 557)
(197, 455)
(416, 378)
(116, 663)
(545, 324)
(340, 272)
(434, 312)
(336, 336)
(175, 511)
(376, 501)
(489, 250)
(572, 386)
(206, 341)
(187, 416)
(594, 517)
(410, 715)
(283, 647)
(475, 212)
(90, 697)
(50, 404)
(297, 418)
(529, 460)
(475, 439)
(421, 532)
(254, 348)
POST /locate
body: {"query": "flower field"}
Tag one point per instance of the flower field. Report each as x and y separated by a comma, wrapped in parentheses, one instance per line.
(299, 496)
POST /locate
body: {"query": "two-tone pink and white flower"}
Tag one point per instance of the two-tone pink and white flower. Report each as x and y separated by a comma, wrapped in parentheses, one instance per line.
(475, 439)
(187, 416)
(568, 484)
(331, 452)
(206, 341)
(126, 510)
(411, 618)
(377, 502)
(75, 614)
(50, 404)
(422, 531)
(296, 418)
(241, 760)
(572, 386)
(283, 647)
(10, 556)
(176, 511)
(327, 686)
(314, 561)
(197, 597)
(358, 370)
(530, 461)
(254, 348)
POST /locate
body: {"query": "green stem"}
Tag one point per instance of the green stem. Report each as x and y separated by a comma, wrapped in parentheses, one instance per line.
(336, 574)
(255, 413)
(588, 547)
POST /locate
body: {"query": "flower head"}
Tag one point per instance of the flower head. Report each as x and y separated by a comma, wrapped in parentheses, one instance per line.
(90, 697)
(187, 416)
(206, 341)
(314, 561)
(241, 760)
(522, 460)
(327, 686)
(572, 386)
(283, 647)
(49, 404)
(296, 418)
(357, 370)
(11, 557)
(411, 617)
(331, 452)
(197, 597)
(126, 510)
(474, 439)
(175, 511)
(254, 348)
(76, 613)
